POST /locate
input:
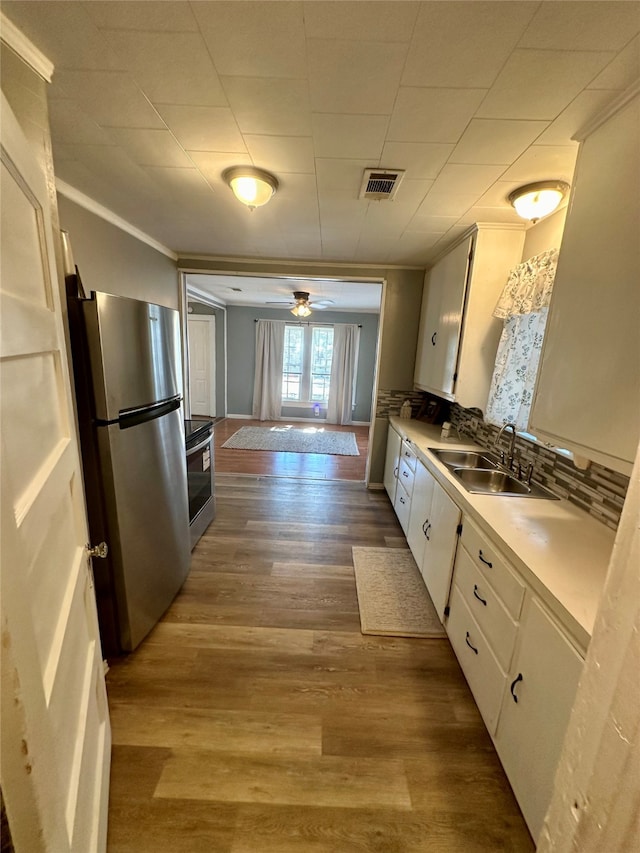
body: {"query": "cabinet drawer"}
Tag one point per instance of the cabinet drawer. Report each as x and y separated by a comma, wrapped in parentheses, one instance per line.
(494, 568)
(402, 506)
(481, 669)
(406, 476)
(407, 453)
(487, 609)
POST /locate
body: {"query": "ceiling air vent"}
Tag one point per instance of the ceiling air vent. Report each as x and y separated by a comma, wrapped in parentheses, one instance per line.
(378, 184)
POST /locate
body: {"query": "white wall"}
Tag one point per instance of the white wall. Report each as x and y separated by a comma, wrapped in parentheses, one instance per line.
(544, 235)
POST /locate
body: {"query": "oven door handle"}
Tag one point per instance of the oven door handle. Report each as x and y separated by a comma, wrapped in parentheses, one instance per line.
(200, 446)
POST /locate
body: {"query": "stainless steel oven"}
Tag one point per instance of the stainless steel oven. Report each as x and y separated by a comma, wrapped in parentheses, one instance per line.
(200, 476)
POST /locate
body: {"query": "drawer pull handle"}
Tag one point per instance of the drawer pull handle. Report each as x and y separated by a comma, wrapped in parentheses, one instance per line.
(401, 499)
(426, 527)
(473, 648)
(475, 592)
(513, 686)
(486, 562)
(404, 474)
(433, 338)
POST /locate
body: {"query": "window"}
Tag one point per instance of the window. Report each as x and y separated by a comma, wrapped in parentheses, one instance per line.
(306, 372)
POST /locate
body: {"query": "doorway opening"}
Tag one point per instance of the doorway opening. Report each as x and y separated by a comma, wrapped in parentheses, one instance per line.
(235, 302)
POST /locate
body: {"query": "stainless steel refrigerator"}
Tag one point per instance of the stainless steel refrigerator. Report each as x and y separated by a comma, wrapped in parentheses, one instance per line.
(127, 366)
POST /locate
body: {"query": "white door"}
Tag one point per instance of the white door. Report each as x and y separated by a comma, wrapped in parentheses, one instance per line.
(56, 737)
(437, 566)
(417, 531)
(202, 364)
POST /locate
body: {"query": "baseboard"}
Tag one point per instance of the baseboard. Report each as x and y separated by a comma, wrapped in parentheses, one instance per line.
(375, 487)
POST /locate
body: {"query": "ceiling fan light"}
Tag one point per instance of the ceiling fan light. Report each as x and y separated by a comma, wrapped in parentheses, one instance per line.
(533, 201)
(301, 310)
(253, 187)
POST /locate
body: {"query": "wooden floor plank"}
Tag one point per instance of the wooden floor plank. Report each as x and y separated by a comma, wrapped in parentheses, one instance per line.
(257, 718)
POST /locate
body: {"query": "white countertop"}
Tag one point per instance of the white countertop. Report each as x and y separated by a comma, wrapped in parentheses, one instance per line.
(558, 548)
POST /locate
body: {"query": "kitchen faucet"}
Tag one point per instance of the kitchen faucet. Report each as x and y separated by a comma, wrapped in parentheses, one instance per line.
(511, 446)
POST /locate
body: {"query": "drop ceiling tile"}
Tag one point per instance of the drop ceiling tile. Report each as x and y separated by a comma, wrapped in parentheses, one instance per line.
(338, 209)
(432, 115)
(621, 71)
(63, 32)
(539, 84)
(253, 39)
(419, 159)
(461, 44)
(496, 140)
(156, 15)
(505, 214)
(449, 204)
(269, 106)
(298, 186)
(411, 193)
(462, 178)
(185, 186)
(69, 123)
(150, 147)
(341, 174)
(582, 26)
(282, 153)
(544, 162)
(412, 247)
(171, 68)
(380, 21)
(351, 137)
(432, 224)
(586, 105)
(212, 164)
(497, 195)
(340, 242)
(203, 128)
(353, 76)
(110, 98)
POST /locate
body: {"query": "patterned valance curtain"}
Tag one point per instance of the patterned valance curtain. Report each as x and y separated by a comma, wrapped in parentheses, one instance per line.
(523, 305)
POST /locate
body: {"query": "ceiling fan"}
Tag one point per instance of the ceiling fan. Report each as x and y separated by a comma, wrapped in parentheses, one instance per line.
(301, 306)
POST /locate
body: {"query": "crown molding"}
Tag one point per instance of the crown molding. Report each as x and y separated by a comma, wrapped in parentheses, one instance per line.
(605, 114)
(109, 216)
(25, 49)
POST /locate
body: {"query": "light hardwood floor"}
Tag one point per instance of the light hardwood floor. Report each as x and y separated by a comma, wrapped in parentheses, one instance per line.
(257, 719)
(315, 466)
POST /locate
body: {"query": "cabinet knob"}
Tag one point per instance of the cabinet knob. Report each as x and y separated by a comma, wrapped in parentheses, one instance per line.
(513, 686)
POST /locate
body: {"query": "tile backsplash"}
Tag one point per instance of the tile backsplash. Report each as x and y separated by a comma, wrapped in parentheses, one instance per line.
(598, 490)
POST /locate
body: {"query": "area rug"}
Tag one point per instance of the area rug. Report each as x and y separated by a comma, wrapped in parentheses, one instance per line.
(290, 440)
(392, 597)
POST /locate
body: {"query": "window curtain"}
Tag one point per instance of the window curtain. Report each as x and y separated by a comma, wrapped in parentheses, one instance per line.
(267, 384)
(346, 340)
(523, 305)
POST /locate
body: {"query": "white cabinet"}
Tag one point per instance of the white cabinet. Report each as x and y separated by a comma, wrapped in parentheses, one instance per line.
(586, 397)
(458, 335)
(391, 462)
(432, 535)
(535, 710)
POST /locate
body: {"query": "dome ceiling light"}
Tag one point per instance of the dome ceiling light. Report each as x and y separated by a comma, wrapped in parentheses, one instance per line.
(253, 187)
(533, 201)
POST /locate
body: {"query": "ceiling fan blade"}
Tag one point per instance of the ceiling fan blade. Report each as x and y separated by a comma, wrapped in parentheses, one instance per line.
(280, 303)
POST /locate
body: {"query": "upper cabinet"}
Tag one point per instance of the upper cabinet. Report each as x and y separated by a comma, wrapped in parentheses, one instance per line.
(587, 397)
(458, 335)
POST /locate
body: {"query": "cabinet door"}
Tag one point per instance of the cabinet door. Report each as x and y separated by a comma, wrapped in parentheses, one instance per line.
(391, 463)
(441, 321)
(419, 515)
(588, 386)
(442, 538)
(535, 711)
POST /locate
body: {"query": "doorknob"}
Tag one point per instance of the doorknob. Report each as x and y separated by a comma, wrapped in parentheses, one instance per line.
(100, 550)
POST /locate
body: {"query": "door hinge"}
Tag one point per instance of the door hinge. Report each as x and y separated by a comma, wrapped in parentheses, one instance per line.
(459, 530)
(455, 376)
(446, 610)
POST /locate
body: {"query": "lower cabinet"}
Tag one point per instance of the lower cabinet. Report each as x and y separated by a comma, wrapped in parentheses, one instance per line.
(520, 665)
(432, 534)
(391, 462)
(535, 711)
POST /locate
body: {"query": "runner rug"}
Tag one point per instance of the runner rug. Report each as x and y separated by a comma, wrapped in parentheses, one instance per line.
(392, 597)
(290, 440)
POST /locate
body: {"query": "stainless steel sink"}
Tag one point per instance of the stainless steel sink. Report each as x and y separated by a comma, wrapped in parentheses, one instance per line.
(496, 482)
(465, 458)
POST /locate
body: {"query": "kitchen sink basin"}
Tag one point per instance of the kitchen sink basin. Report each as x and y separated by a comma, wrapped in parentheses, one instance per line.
(496, 482)
(465, 458)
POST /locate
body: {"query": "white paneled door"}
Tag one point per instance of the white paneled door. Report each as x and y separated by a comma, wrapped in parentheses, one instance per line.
(55, 726)
(202, 344)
